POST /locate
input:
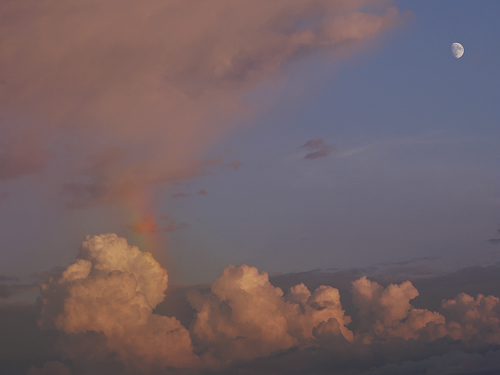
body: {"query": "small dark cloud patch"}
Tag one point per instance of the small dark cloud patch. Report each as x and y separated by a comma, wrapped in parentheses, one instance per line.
(202, 192)
(317, 148)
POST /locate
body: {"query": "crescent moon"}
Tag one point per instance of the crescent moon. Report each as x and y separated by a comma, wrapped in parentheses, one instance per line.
(457, 50)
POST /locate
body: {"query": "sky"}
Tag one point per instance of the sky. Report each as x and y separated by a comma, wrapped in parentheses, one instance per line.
(314, 141)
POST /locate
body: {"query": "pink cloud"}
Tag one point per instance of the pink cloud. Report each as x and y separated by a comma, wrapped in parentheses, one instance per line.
(21, 157)
(147, 225)
(161, 81)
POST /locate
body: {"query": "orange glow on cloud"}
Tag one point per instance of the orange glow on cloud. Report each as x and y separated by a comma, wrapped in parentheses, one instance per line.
(112, 289)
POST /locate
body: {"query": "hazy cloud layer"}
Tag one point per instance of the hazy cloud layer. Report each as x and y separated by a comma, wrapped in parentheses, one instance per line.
(129, 94)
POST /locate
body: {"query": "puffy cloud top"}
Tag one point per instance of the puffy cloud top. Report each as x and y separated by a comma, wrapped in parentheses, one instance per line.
(112, 288)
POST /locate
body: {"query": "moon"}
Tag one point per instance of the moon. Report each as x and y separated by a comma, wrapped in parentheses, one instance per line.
(457, 50)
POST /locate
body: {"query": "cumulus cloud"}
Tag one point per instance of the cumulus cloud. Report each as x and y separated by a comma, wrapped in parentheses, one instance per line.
(136, 92)
(113, 288)
(244, 316)
(387, 312)
(474, 319)
(104, 305)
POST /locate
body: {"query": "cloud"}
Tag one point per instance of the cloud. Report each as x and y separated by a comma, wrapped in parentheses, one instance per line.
(109, 311)
(318, 147)
(244, 316)
(180, 195)
(50, 368)
(387, 312)
(149, 225)
(21, 157)
(172, 227)
(202, 192)
(454, 362)
(12, 286)
(132, 94)
(113, 288)
(235, 164)
(476, 319)
(8, 278)
(495, 241)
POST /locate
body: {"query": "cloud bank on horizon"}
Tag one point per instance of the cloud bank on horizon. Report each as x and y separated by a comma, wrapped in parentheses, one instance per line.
(102, 307)
(120, 96)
